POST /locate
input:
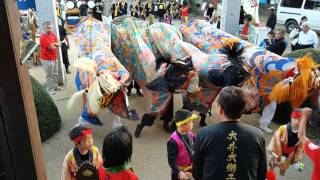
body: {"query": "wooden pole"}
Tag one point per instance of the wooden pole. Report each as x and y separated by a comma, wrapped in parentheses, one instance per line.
(21, 155)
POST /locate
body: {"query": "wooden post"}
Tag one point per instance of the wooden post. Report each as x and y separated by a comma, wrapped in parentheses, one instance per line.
(21, 156)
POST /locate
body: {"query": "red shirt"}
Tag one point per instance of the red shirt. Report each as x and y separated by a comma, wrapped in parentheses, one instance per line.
(45, 52)
(245, 30)
(313, 151)
(287, 150)
(184, 11)
(123, 175)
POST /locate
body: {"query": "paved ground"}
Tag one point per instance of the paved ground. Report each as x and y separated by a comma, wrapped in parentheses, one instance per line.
(149, 152)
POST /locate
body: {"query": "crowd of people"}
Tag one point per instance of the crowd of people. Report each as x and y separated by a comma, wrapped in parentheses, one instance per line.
(148, 10)
(301, 38)
(230, 149)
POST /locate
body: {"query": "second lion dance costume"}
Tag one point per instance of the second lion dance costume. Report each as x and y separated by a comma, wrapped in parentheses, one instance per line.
(101, 78)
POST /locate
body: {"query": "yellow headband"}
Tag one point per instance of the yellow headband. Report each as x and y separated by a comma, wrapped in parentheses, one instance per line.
(191, 118)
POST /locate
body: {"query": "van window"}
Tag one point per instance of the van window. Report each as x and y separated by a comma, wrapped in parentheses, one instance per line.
(312, 5)
(292, 3)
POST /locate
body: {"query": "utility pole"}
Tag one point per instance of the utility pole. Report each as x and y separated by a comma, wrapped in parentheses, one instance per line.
(230, 16)
(107, 7)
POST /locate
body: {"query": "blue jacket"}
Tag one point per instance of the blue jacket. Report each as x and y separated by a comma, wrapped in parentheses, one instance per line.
(265, 44)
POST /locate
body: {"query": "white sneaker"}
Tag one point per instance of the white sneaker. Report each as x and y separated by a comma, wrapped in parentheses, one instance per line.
(266, 129)
(59, 88)
(51, 92)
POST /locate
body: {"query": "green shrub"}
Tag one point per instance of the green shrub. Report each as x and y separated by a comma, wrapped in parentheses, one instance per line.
(299, 53)
(49, 119)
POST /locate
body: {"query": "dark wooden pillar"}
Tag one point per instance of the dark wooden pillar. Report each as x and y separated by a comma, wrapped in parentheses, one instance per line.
(21, 156)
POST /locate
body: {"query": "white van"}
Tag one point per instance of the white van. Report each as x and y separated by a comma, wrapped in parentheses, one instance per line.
(289, 12)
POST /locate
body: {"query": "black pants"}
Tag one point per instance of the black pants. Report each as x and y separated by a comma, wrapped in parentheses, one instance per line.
(62, 22)
(133, 84)
(64, 51)
(294, 47)
(148, 120)
(98, 17)
(301, 46)
(161, 15)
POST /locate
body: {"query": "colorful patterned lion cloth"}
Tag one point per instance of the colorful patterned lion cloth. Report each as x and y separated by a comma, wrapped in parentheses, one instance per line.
(133, 48)
(140, 46)
(100, 77)
(268, 70)
(170, 45)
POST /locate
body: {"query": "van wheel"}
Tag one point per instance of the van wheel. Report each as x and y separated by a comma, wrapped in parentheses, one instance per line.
(291, 25)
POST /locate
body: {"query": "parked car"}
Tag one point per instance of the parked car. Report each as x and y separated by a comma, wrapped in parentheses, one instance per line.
(289, 13)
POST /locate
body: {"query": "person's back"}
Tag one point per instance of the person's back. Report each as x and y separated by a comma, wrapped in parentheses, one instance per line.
(149, 8)
(97, 11)
(185, 11)
(161, 8)
(117, 152)
(245, 161)
(123, 7)
(230, 149)
(84, 9)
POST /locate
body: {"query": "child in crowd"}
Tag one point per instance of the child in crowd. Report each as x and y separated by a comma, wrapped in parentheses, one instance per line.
(266, 43)
(312, 150)
(215, 20)
(180, 146)
(285, 147)
(167, 18)
(184, 13)
(84, 160)
(117, 152)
